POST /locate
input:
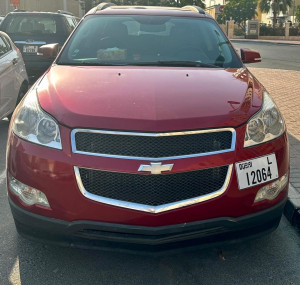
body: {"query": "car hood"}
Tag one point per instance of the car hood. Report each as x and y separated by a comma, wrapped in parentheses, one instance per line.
(149, 98)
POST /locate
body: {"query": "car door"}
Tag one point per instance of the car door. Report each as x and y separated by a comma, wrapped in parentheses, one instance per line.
(7, 78)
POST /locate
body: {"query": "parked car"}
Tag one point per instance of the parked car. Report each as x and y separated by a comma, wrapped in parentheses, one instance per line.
(147, 133)
(1, 19)
(13, 76)
(30, 30)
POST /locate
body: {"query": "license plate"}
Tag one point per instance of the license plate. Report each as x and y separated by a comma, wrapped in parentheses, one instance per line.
(30, 49)
(256, 171)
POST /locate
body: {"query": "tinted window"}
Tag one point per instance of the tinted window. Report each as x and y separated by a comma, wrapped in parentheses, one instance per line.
(31, 25)
(4, 48)
(138, 40)
(70, 24)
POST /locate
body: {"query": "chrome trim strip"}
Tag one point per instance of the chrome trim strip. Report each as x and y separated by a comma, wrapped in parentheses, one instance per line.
(30, 43)
(148, 208)
(74, 150)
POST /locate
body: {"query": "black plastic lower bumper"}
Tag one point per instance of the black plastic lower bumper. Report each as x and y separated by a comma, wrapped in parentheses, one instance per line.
(88, 234)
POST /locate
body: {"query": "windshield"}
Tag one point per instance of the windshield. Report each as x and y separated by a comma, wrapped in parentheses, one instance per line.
(31, 25)
(149, 40)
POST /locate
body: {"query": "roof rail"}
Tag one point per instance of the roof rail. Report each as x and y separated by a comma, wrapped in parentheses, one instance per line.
(65, 12)
(104, 5)
(194, 8)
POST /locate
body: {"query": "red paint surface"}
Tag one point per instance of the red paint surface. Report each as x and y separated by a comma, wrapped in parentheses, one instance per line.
(149, 98)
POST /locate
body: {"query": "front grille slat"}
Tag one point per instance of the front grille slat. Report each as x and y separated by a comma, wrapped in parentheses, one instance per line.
(153, 190)
(152, 146)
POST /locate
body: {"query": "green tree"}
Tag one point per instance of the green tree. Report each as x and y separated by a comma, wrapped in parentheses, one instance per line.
(298, 13)
(169, 3)
(238, 10)
(276, 6)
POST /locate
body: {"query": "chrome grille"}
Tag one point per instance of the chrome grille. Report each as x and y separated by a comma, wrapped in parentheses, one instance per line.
(157, 191)
(153, 146)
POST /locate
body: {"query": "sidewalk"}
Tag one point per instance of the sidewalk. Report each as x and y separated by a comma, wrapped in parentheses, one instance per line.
(284, 86)
(276, 42)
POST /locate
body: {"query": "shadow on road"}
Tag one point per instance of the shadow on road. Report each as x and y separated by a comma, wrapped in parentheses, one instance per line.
(262, 261)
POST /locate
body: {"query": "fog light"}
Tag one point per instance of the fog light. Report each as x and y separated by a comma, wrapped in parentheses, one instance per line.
(272, 190)
(30, 196)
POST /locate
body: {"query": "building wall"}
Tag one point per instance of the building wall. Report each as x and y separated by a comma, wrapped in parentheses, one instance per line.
(43, 5)
(5, 7)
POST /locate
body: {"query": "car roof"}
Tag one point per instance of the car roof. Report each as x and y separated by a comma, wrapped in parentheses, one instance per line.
(111, 9)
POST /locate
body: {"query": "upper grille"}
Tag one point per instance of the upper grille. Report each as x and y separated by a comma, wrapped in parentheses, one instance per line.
(153, 190)
(152, 145)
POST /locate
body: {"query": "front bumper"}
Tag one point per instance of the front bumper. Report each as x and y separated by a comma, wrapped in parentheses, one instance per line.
(129, 238)
(52, 172)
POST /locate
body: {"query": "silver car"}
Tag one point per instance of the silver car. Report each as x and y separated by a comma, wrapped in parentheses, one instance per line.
(13, 76)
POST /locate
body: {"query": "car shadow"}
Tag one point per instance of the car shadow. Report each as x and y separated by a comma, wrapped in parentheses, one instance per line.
(271, 257)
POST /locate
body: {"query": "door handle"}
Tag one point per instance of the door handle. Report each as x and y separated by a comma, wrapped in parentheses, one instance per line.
(14, 61)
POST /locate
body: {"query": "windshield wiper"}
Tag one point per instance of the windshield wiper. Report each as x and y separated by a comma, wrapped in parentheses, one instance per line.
(177, 63)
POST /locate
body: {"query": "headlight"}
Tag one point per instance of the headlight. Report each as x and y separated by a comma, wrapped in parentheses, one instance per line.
(34, 125)
(266, 125)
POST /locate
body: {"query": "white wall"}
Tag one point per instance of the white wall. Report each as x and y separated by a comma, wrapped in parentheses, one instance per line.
(5, 7)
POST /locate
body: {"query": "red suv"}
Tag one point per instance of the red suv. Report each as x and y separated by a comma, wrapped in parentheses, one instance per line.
(147, 133)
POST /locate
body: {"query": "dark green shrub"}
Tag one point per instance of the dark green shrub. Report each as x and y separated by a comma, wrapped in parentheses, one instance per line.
(270, 31)
(239, 32)
(294, 31)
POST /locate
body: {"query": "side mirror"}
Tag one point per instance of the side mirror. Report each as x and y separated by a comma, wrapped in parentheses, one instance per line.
(49, 51)
(250, 55)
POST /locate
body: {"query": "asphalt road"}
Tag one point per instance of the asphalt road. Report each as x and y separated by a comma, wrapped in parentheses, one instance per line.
(275, 56)
(272, 259)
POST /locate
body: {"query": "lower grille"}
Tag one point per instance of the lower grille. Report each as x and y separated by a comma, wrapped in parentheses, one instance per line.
(149, 238)
(153, 190)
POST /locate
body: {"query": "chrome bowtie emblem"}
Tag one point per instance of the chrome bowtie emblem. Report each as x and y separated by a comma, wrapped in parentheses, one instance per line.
(156, 168)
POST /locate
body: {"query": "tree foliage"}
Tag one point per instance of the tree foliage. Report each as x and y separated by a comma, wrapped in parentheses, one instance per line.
(238, 10)
(298, 13)
(276, 6)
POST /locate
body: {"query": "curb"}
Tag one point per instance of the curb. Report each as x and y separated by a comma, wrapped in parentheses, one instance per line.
(292, 207)
(264, 42)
